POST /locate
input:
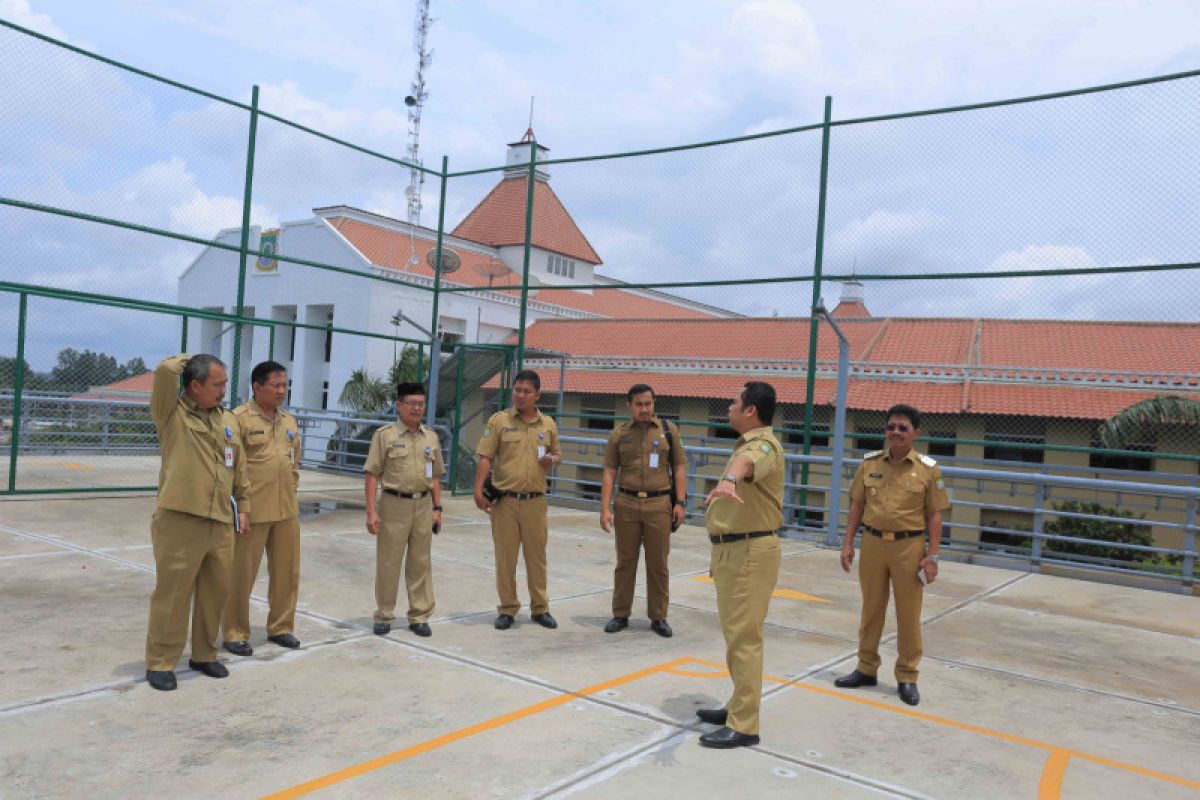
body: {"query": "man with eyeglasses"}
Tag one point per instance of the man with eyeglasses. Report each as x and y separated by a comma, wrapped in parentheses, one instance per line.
(406, 458)
(897, 496)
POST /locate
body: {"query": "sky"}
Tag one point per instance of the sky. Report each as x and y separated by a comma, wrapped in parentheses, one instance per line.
(1089, 181)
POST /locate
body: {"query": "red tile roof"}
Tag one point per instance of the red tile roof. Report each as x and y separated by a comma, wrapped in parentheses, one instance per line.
(393, 249)
(1038, 388)
(499, 220)
(133, 388)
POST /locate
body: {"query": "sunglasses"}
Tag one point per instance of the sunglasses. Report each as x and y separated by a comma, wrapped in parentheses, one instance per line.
(894, 427)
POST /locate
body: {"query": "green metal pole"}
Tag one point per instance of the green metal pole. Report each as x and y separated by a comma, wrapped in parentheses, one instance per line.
(434, 346)
(183, 334)
(814, 323)
(18, 388)
(271, 343)
(528, 248)
(457, 422)
(245, 247)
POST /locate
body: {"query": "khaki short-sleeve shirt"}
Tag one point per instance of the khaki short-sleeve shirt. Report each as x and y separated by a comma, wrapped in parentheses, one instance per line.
(203, 462)
(632, 448)
(405, 460)
(762, 494)
(272, 461)
(899, 496)
(513, 444)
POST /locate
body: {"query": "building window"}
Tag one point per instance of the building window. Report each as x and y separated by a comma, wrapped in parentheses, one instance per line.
(941, 449)
(867, 441)
(1027, 449)
(1134, 463)
(597, 416)
(325, 396)
(557, 265)
(718, 416)
(289, 397)
(329, 338)
(818, 438)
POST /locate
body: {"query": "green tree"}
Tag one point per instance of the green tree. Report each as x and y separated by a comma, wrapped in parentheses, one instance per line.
(404, 370)
(8, 375)
(365, 394)
(1141, 421)
(1101, 529)
(77, 370)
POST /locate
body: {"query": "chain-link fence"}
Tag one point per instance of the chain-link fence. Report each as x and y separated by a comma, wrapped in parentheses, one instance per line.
(1022, 271)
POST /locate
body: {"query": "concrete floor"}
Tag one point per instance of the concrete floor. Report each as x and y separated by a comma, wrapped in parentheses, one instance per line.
(1033, 686)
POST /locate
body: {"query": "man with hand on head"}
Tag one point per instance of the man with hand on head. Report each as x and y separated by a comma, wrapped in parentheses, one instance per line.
(897, 495)
(647, 454)
(521, 444)
(271, 439)
(406, 458)
(202, 477)
(745, 513)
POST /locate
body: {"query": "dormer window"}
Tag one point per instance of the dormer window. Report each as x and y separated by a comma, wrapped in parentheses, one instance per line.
(561, 266)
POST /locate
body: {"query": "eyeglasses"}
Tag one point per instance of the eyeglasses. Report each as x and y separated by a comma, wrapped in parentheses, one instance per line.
(896, 427)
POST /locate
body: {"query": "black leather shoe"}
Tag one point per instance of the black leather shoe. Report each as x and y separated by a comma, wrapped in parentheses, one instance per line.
(662, 628)
(163, 680)
(725, 738)
(213, 669)
(382, 628)
(713, 716)
(545, 620)
(908, 693)
(285, 640)
(504, 622)
(239, 648)
(616, 624)
(855, 679)
(420, 629)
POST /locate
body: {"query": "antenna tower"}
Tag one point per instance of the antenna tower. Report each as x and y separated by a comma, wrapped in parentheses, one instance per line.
(415, 102)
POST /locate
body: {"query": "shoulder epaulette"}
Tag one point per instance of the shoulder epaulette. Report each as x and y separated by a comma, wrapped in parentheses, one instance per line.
(874, 454)
(240, 410)
(929, 462)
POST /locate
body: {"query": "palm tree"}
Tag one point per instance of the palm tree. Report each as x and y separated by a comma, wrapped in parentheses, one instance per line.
(1143, 418)
(365, 394)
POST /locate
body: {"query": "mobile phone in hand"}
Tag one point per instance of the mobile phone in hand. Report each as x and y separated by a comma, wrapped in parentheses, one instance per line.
(922, 577)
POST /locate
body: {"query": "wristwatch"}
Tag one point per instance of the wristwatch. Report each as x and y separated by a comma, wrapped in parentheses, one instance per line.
(680, 503)
(729, 476)
(934, 558)
(437, 508)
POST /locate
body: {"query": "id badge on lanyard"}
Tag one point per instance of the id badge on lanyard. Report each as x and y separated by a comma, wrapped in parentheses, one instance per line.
(654, 455)
(541, 451)
(428, 462)
(228, 447)
(291, 447)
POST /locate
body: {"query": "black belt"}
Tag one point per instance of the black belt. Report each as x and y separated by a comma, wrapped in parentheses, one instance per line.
(643, 495)
(891, 536)
(722, 538)
(522, 495)
(405, 495)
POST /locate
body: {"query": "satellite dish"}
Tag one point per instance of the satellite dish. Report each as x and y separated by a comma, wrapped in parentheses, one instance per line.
(491, 269)
(450, 260)
(410, 101)
(534, 286)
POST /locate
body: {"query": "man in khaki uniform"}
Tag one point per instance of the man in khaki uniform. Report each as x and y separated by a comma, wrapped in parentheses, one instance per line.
(522, 444)
(898, 495)
(745, 512)
(406, 458)
(202, 475)
(271, 440)
(644, 451)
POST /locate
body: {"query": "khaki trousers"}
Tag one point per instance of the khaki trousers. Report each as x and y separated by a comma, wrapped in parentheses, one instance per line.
(192, 555)
(520, 525)
(281, 542)
(745, 573)
(896, 562)
(405, 539)
(642, 522)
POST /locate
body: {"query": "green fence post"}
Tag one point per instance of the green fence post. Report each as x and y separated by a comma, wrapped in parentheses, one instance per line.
(18, 388)
(240, 309)
(814, 323)
(183, 325)
(271, 343)
(435, 360)
(528, 247)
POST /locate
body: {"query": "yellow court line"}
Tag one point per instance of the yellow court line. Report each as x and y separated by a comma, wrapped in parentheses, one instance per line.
(786, 594)
(1049, 787)
(462, 733)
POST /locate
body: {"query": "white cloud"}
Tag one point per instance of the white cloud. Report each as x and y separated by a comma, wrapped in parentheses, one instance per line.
(21, 13)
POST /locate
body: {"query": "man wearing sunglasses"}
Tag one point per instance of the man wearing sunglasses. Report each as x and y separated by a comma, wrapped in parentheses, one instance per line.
(897, 496)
